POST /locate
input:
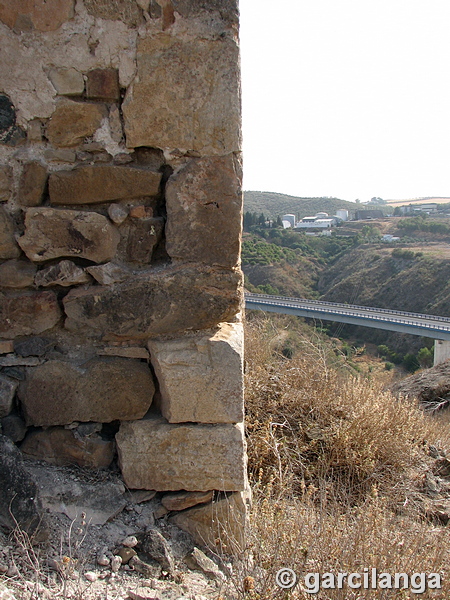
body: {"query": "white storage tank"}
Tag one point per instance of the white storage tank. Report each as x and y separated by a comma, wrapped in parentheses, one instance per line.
(289, 218)
(342, 214)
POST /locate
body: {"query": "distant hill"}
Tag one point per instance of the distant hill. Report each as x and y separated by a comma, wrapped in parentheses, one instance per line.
(273, 204)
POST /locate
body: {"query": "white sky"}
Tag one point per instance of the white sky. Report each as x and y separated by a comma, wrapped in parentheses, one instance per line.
(346, 98)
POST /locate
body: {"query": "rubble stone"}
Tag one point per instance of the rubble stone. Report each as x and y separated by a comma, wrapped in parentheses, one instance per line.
(185, 95)
(5, 183)
(51, 233)
(8, 244)
(59, 446)
(73, 121)
(32, 184)
(103, 84)
(140, 237)
(26, 15)
(109, 273)
(67, 82)
(13, 427)
(17, 274)
(200, 376)
(7, 392)
(64, 273)
(27, 313)
(102, 183)
(204, 202)
(156, 455)
(165, 301)
(183, 500)
(101, 390)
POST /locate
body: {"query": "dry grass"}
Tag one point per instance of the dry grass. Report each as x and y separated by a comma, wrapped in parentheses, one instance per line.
(337, 467)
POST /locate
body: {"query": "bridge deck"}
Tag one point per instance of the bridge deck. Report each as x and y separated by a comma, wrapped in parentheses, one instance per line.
(380, 318)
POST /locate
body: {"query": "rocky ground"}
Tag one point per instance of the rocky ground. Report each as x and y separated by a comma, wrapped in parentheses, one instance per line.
(103, 541)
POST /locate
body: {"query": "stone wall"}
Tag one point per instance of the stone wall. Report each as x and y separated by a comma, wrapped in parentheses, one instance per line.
(120, 222)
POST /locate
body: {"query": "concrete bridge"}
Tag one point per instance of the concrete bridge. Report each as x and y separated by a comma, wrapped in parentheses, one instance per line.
(437, 328)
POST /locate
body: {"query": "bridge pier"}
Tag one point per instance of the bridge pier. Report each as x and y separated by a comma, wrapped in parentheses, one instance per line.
(441, 351)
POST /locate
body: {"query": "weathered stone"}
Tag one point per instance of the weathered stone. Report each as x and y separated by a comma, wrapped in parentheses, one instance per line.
(5, 183)
(109, 273)
(103, 183)
(43, 15)
(204, 211)
(32, 184)
(201, 376)
(8, 244)
(183, 500)
(64, 273)
(185, 95)
(115, 125)
(27, 313)
(17, 274)
(197, 560)
(126, 554)
(139, 238)
(19, 500)
(13, 427)
(117, 213)
(100, 390)
(73, 121)
(7, 392)
(124, 352)
(10, 133)
(74, 496)
(13, 361)
(33, 346)
(67, 82)
(6, 346)
(153, 543)
(51, 233)
(156, 302)
(61, 155)
(122, 10)
(226, 10)
(220, 525)
(103, 84)
(156, 455)
(59, 446)
(34, 130)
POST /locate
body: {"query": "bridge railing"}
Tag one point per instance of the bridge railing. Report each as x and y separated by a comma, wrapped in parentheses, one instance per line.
(401, 313)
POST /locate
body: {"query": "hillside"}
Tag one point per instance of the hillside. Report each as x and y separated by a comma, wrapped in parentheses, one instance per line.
(272, 204)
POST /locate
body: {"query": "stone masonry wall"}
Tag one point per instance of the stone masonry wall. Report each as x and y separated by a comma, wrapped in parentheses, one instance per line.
(120, 222)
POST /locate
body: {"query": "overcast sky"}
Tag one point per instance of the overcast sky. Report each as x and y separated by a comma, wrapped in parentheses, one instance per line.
(346, 98)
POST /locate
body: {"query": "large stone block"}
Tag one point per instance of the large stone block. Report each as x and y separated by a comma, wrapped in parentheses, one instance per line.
(43, 15)
(8, 244)
(101, 390)
(5, 183)
(156, 302)
(204, 211)
(186, 95)
(59, 446)
(32, 184)
(27, 313)
(201, 376)
(51, 233)
(73, 121)
(103, 183)
(156, 455)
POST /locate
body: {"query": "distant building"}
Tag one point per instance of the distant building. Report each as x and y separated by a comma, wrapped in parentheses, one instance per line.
(317, 222)
(289, 218)
(362, 215)
(342, 214)
(389, 238)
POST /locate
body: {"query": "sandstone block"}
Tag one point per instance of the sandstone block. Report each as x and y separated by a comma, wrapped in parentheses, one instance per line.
(124, 351)
(67, 82)
(43, 15)
(27, 313)
(59, 446)
(201, 376)
(32, 184)
(204, 211)
(103, 84)
(7, 392)
(34, 130)
(182, 500)
(17, 274)
(6, 346)
(73, 121)
(102, 183)
(64, 273)
(156, 455)
(51, 233)
(8, 244)
(185, 95)
(139, 238)
(220, 525)
(5, 183)
(64, 155)
(109, 273)
(156, 302)
(101, 390)
(122, 10)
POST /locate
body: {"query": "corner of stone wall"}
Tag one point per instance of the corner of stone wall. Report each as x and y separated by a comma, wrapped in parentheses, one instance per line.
(120, 225)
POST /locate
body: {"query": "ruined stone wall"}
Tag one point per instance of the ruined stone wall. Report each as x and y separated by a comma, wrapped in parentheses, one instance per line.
(120, 220)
